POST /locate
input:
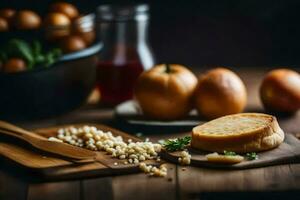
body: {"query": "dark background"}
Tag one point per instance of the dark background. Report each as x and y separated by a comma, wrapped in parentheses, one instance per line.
(211, 32)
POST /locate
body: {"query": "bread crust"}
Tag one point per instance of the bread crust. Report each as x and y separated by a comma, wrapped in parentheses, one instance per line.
(266, 137)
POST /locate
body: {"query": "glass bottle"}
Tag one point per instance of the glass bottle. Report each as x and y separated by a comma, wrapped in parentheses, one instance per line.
(123, 30)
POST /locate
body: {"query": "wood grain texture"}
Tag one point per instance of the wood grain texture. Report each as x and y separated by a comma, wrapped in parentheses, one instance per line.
(141, 186)
(288, 152)
(97, 188)
(29, 158)
(50, 191)
(12, 187)
(276, 178)
(50, 167)
(135, 186)
(200, 183)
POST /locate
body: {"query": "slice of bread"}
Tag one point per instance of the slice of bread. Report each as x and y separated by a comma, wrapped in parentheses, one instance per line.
(241, 133)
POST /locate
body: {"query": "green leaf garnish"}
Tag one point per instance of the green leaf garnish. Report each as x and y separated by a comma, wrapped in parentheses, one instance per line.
(251, 156)
(139, 134)
(20, 49)
(177, 144)
(229, 153)
(32, 54)
(36, 48)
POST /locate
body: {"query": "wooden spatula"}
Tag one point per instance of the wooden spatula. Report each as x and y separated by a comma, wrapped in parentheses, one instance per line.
(44, 144)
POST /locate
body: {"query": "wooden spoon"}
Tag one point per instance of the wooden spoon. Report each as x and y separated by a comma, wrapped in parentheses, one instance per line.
(44, 144)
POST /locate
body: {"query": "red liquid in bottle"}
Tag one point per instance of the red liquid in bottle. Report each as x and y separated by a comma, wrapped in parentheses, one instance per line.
(116, 82)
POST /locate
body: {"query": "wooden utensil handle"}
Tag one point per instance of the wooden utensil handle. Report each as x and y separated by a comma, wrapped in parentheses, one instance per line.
(25, 138)
(10, 133)
(17, 131)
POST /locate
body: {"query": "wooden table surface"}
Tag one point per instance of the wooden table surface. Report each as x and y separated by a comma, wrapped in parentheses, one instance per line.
(275, 182)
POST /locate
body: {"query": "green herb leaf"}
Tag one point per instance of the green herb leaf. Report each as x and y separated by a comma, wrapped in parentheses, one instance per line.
(3, 56)
(139, 134)
(229, 153)
(251, 156)
(36, 48)
(39, 59)
(21, 49)
(177, 144)
(31, 54)
(52, 56)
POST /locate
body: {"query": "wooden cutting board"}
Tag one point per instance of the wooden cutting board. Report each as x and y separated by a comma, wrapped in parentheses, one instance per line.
(52, 167)
(287, 152)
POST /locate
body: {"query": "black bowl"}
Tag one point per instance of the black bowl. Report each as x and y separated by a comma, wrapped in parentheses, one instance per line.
(27, 35)
(51, 91)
